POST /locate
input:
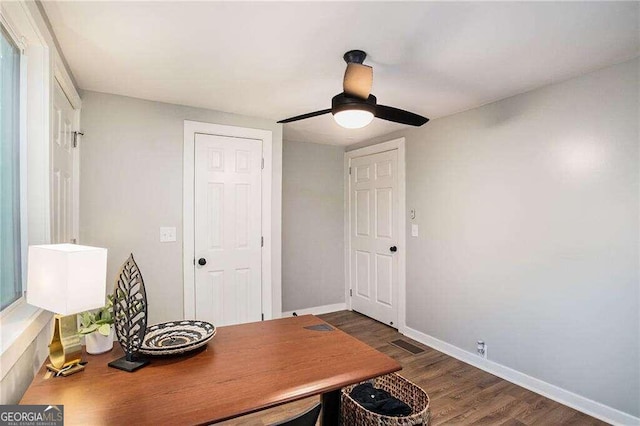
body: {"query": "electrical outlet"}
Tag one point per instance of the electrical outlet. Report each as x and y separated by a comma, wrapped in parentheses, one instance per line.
(167, 234)
(482, 349)
(414, 230)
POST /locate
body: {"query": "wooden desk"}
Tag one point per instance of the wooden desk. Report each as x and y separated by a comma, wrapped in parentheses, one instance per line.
(244, 368)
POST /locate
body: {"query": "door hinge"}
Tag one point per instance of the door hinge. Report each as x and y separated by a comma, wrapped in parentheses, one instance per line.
(262, 317)
(261, 241)
(262, 163)
(349, 170)
(75, 138)
(350, 292)
(194, 260)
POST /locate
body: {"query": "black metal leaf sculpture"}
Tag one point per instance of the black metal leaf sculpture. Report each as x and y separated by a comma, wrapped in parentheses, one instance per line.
(130, 314)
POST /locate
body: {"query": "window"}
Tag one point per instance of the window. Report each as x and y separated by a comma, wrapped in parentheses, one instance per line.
(10, 242)
(25, 202)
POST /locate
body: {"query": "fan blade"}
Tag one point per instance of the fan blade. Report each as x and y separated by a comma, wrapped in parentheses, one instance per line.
(303, 116)
(357, 80)
(399, 116)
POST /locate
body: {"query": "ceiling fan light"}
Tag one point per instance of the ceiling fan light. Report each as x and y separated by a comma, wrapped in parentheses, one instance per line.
(353, 118)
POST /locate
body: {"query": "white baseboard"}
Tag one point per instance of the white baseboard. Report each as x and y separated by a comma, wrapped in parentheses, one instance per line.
(317, 310)
(565, 397)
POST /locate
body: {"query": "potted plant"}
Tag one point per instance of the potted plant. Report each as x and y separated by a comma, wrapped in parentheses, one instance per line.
(97, 328)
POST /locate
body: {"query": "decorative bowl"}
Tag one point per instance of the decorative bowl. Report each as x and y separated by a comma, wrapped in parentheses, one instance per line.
(176, 337)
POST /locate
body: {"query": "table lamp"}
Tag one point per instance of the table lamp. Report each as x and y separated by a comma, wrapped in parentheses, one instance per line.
(66, 279)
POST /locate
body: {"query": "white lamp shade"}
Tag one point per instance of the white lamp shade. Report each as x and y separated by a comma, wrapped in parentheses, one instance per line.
(66, 278)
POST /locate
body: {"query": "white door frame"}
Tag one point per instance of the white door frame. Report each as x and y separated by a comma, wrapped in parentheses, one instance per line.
(191, 128)
(398, 144)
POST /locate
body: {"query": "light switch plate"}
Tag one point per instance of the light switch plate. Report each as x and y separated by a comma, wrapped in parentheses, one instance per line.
(167, 234)
(414, 230)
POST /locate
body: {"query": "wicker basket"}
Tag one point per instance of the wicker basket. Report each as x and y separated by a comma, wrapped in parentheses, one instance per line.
(353, 414)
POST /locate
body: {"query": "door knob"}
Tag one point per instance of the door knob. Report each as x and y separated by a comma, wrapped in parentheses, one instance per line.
(393, 249)
(202, 261)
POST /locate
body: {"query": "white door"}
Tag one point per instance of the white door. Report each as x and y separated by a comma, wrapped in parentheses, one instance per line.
(228, 239)
(374, 209)
(62, 178)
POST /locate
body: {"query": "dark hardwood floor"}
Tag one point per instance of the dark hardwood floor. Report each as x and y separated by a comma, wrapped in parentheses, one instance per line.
(459, 393)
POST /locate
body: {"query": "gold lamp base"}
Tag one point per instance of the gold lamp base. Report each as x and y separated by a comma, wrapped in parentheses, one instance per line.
(65, 350)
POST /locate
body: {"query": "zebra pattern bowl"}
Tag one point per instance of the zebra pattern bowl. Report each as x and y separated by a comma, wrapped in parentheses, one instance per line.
(176, 337)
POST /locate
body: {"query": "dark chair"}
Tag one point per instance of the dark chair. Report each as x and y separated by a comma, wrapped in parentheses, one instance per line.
(308, 418)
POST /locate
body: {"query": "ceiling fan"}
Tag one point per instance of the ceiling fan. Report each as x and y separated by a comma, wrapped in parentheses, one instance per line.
(355, 107)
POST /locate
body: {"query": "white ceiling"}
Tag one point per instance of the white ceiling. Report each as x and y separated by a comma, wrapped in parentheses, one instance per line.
(276, 60)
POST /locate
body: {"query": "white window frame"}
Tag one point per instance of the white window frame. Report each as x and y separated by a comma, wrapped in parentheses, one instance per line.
(22, 164)
(40, 63)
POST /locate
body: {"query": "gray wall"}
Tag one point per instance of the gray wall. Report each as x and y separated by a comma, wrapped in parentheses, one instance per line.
(131, 185)
(528, 211)
(312, 225)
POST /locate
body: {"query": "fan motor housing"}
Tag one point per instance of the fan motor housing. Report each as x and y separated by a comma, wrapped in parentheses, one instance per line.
(343, 102)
